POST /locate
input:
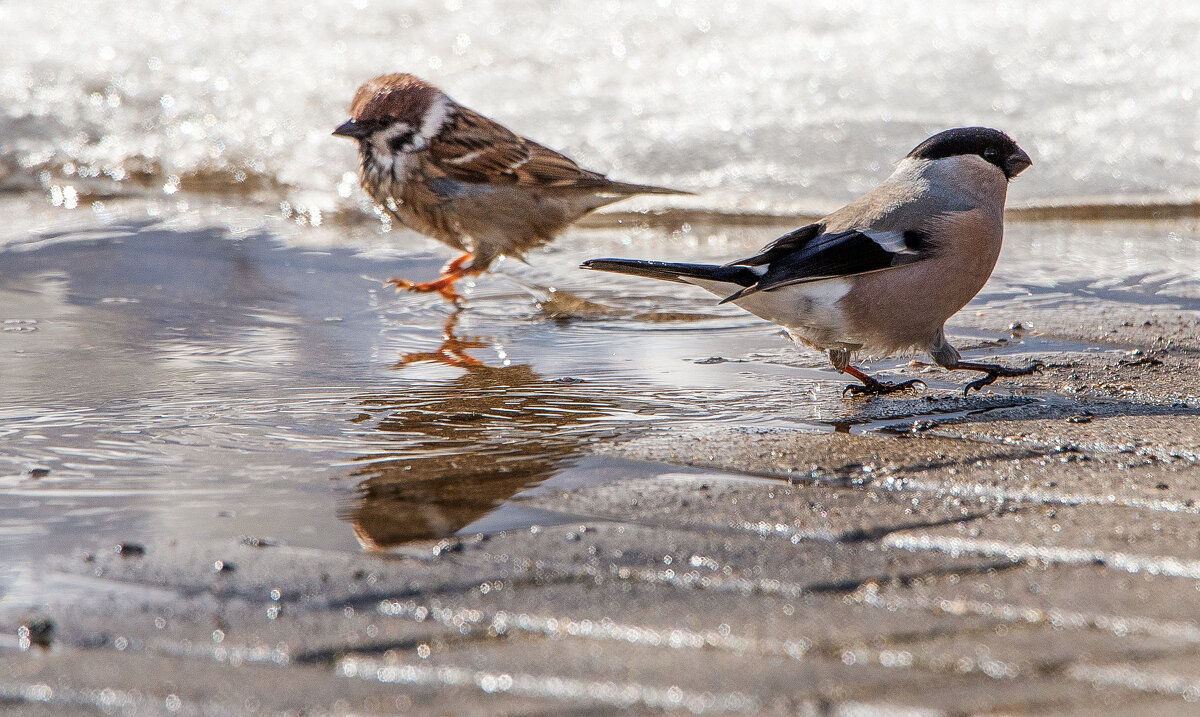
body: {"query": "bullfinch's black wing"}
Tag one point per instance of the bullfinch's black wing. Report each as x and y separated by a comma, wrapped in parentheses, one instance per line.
(812, 254)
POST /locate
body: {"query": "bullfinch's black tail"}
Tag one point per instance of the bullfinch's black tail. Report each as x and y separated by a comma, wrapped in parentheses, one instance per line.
(736, 275)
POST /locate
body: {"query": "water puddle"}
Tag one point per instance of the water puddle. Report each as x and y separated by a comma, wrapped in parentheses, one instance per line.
(212, 373)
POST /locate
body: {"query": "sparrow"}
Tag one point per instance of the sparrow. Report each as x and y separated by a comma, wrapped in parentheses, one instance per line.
(883, 273)
(452, 174)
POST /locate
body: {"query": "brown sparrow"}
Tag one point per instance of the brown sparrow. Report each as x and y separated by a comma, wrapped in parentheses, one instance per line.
(452, 174)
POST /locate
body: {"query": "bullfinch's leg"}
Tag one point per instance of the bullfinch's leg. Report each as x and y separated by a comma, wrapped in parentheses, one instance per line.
(873, 386)
(840, 358)
(947, 357)
(993, 371)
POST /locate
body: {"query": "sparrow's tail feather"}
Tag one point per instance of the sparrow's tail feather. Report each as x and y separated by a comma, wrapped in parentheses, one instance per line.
(625, 188)
(737, 275)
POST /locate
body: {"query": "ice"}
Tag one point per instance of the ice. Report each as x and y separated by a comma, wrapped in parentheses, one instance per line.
(757, 105)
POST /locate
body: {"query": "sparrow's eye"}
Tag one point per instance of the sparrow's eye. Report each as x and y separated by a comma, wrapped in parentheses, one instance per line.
(401, 142)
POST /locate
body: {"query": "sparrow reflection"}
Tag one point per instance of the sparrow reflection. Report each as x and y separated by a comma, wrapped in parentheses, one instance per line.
(463, 446)
(452, 351)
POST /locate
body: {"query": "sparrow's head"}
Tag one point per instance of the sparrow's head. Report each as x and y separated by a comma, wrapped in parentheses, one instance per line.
(992, 145)
(394, 114)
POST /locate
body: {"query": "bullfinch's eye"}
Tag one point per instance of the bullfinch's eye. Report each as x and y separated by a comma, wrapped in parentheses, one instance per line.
(991, 154)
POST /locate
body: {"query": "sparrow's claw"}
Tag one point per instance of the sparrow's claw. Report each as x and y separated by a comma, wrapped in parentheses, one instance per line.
(452, 352)
(875, 387)
(454, 270)
(443, 285)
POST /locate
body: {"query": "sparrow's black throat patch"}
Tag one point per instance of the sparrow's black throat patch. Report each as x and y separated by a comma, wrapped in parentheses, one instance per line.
(402, 142)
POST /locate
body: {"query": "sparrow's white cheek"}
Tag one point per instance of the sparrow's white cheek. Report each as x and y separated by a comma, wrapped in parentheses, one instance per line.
(435, 116)
(382, 140)
(389, 162)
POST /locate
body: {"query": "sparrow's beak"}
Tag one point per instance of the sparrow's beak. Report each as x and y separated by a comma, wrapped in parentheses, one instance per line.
(351, 129)
(1017, 163)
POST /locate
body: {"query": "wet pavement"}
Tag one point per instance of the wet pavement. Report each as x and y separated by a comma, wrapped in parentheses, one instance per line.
(613, 494)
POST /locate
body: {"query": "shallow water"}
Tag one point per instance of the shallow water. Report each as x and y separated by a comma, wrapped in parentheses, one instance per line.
(212, 372)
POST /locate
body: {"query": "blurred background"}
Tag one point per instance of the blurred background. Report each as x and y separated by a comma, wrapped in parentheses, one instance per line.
(760, 106)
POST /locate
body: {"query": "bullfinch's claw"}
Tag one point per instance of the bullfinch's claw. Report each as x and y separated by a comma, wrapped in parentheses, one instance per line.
(979, 383)
(875, 388)
(995, 372)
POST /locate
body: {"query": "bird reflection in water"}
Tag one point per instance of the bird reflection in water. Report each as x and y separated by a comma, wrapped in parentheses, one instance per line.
(452, 352)
(465, 445)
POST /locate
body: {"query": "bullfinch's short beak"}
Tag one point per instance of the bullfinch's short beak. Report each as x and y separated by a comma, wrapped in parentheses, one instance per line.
(351, 129)
(1017, 162)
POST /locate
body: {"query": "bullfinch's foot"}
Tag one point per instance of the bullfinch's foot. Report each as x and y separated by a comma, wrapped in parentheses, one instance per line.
(875, 387)
(995, 371)
(871, 387)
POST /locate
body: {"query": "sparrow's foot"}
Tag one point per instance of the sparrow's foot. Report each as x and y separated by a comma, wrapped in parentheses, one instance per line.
(443, 285)
(995, 371)
(454, 270)
(452, 352)
(875, 387)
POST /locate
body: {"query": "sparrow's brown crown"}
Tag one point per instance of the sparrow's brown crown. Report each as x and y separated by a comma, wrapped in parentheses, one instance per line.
(398, 96)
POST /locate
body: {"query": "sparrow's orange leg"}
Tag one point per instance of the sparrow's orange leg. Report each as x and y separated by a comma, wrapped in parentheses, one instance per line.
(873, 386)
(456, 263)
(452, 352)
(444, 284)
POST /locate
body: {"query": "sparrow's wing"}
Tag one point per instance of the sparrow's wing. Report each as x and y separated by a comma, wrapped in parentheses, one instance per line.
(811, 254)
(472, 148)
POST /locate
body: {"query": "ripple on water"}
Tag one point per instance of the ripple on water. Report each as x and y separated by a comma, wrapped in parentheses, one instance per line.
(217, 396)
